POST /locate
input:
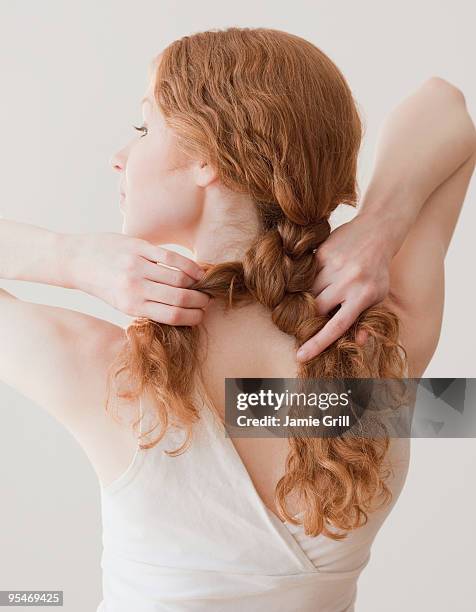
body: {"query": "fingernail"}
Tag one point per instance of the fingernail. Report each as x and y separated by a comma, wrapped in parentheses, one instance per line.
(301, 354)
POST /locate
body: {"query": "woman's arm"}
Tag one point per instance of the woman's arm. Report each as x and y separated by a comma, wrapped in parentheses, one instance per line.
(55, 356)
(119, 269)
(417, 272)
(32, 253)
(423, 142)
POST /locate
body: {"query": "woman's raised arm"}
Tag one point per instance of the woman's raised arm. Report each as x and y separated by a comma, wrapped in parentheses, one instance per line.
(121, 270)
(423, 141)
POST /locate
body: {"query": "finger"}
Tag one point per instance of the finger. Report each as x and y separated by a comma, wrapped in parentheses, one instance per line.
(169, 276)
(321, 281)
(171, 315)
(331, 331)
(175, 296)
(328, 299)
(168, 257)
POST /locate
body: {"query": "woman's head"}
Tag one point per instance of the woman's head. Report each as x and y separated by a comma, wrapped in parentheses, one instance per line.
(241, 127)
(254, 142)
(161, 185)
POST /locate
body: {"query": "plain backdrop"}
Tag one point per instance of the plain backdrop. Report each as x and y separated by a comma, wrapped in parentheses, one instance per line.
(72, 75)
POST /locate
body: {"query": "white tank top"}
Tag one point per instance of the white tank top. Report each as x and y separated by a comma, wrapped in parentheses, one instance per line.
(190, 533)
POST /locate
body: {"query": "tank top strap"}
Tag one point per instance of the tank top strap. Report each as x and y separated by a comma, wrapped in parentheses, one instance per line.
(141, 414)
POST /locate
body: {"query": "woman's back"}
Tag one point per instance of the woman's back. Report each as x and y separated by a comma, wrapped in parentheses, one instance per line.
(201, 530)
(246, 344)
(192, 532)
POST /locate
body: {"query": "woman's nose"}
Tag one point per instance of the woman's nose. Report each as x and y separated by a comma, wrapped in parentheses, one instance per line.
(117, 161)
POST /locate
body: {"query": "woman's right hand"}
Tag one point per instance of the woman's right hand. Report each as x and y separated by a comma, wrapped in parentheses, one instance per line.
(122, 271)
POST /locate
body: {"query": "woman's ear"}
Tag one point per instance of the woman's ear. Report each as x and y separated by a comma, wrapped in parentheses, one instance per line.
(205, 174)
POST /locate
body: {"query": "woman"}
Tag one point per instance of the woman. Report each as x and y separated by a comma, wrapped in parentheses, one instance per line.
(250, 141)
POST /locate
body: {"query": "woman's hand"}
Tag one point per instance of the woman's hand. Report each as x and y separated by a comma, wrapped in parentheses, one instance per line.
(122, 271)
(353, 272)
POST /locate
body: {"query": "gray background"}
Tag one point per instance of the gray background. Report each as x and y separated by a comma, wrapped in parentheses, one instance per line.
(72, 77)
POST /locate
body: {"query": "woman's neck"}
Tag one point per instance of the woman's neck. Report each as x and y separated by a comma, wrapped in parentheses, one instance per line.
(243, 343)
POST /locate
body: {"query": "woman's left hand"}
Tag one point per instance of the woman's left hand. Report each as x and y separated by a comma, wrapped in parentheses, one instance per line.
(353, 272)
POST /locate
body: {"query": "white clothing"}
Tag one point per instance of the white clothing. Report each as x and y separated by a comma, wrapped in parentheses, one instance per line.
(190, 533)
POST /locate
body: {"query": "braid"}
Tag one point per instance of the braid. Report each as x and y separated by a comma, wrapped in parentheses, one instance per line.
(279, 270)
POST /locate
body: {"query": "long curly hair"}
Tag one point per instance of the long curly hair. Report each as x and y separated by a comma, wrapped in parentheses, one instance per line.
(277, 120)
